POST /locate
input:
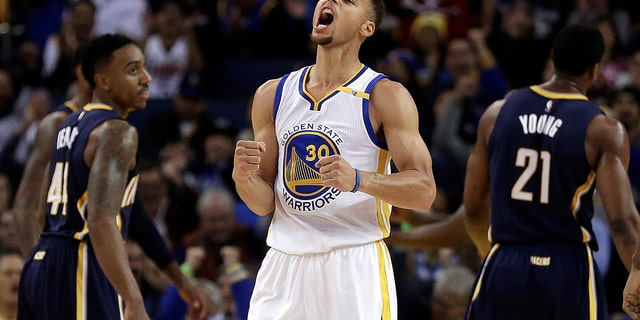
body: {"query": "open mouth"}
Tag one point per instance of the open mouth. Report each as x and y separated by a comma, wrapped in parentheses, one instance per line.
(326, 18)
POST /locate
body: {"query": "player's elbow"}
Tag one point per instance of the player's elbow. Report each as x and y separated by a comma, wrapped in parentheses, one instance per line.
(426, 196)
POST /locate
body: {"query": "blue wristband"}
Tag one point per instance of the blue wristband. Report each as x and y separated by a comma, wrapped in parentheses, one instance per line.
(357, 185)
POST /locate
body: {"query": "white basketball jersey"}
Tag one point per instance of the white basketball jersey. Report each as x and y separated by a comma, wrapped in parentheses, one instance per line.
(309, 217)
(166, 66)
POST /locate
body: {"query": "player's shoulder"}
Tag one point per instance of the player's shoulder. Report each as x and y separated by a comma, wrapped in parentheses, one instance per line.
(268, 87)
(388, 90)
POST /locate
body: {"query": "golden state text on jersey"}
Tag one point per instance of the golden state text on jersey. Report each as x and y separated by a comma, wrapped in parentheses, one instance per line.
(304, 146)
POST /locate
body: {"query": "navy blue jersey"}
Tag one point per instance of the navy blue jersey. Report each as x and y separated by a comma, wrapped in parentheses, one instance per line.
(66, 211)
(541, 182)
(67, 106)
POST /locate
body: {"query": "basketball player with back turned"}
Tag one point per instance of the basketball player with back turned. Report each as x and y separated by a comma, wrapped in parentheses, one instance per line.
(79, 268)
(324, 137)
(539, 155)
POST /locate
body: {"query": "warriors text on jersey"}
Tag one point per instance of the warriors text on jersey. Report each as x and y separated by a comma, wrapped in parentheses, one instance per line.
(542, 184)
(309, 217)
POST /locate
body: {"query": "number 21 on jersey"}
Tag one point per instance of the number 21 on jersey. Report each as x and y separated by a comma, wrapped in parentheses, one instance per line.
(528, 159)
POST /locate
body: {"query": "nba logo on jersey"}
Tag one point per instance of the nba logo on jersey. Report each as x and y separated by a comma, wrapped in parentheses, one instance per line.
(548, 106)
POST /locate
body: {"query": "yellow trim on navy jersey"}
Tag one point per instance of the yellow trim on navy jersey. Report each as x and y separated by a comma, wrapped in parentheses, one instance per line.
(316, 103)
(72, 106)
(580, 191)
(586, 236)
(383, 262)
(82, 206)
(96, 106)
(556, 95)
(80, 284)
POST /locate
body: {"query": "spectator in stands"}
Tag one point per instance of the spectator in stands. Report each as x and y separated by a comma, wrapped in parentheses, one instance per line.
(128, 17)
(8, 116)
(476, 81)
(14, 155)
(215, 169)
(185, 121)
(218, 228)
(8, 230)
(285, 30)
(59, 54)
(170, 49)
(451, 293)
(170, 206)
(10, 267)
(512, 41)
(151, 281)
(613, 62)
(625, 106)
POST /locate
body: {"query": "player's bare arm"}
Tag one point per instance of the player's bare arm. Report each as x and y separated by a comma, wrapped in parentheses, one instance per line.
(110, 153)
(193, 298)
(25, 208)
(394, 116)
(255, 162)
(449, 232)
(476, 200)
(611, 161)
(607, 148)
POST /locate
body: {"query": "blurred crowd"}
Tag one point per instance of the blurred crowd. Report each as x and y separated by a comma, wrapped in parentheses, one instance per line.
(454, 56)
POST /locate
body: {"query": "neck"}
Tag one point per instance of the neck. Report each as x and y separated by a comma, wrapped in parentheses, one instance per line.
(335, 65)
(80, 99)
(123, 112)
(563, 84)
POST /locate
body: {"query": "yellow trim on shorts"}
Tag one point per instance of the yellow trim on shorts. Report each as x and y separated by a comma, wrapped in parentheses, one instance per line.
(593, 297)
(476, 291)
(80, 284)
(383, 262)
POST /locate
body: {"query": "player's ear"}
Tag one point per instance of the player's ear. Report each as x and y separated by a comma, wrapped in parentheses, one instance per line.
(367, 28)
(102, 81)
(595, 72)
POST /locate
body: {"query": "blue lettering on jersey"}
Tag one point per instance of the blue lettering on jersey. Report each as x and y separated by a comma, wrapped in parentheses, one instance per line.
(313, 204)
(304, 189)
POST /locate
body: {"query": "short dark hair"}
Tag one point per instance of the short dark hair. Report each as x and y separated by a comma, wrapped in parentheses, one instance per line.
(577, 48)
(378, 10)
(87, 2)
(99, 52)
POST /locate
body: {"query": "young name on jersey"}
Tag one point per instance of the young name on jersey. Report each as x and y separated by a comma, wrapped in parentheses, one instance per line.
(543, 124)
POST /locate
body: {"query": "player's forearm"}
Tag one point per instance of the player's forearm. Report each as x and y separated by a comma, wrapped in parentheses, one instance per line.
(172, 270)
(447, 233)
(477, 226)
(25, 206)
(411, 189)
(257, 194)
(625, 238)
(108, 246)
